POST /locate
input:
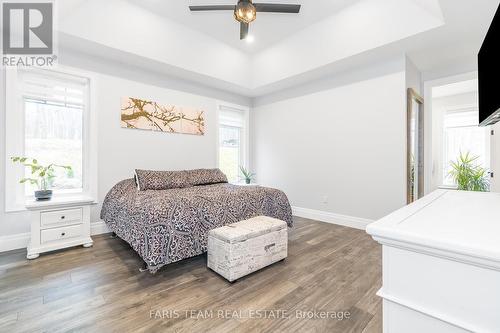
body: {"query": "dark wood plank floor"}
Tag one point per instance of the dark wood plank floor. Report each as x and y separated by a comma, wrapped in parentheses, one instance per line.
(329, 269)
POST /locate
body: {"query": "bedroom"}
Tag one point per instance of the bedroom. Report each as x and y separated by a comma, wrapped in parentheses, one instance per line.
(312, 104)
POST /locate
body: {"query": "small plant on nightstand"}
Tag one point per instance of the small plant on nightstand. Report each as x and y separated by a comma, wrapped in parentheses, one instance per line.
(41, 175)
(247, 175)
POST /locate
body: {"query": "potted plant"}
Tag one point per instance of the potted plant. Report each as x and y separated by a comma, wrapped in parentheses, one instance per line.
(41, 175)
(468, 176)
(247, 175)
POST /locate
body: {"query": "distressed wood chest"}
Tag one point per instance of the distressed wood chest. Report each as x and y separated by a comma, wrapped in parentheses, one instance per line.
(244, 247)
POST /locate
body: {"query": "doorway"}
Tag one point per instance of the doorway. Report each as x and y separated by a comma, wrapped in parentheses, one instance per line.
(456, 131)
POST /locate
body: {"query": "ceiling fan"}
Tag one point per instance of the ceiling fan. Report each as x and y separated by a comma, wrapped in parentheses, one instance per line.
(245, 11)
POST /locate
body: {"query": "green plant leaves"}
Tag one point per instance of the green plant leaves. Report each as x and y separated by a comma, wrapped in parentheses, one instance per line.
(30, 180)
(43, 175)
(246, 174)
(469, 176)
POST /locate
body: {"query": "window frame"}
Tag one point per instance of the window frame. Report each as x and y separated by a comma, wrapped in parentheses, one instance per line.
(241, 147)
(15, 196)
(244, 135)
(442, 162)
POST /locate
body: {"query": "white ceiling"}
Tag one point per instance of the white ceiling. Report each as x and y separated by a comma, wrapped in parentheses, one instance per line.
(328, 36)
(457, 88)
(267, 29)
(455, 44)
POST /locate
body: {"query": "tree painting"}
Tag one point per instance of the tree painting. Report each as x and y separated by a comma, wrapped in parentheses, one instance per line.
(147, 115)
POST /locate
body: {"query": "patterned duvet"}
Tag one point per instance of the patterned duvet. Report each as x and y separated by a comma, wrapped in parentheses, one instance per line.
(164, 226)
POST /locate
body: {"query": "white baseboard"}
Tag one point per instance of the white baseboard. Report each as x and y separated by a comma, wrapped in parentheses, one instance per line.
(99, 227)
(322, 216)
(20, 241)
(14, 242)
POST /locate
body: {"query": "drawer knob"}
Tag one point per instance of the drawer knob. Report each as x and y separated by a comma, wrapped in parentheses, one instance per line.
(63, 233)
(63, 217)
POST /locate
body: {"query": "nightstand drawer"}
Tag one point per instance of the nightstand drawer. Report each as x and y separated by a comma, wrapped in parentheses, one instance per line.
(56, 234)
(61, 217)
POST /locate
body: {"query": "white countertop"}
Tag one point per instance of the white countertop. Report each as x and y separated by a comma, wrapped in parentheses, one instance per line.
(462, 223)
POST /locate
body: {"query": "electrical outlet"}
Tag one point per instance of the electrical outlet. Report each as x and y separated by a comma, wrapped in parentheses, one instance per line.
(325, 199)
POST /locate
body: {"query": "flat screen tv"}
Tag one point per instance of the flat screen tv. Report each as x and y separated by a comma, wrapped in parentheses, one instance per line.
(489, 75)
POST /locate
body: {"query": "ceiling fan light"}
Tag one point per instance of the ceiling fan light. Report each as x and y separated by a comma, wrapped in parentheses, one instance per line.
(245, 11)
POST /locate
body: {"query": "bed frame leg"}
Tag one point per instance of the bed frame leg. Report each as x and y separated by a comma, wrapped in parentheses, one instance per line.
(143, 268)
(113, 235)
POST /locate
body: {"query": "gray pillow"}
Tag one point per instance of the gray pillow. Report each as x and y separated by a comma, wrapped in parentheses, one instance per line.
(206, 177)
(161, 180)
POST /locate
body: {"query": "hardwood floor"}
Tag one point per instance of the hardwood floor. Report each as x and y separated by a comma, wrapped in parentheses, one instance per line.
(329, 270)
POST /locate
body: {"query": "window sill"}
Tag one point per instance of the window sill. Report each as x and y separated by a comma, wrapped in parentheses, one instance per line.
(245, 184)
(57, 200)
(447, 187)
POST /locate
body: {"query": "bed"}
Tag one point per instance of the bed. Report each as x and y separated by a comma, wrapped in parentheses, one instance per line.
(167, 225)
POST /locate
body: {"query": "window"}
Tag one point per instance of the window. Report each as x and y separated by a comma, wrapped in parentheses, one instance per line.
(53, 125)
(461, 133)
(233, 140)
(48, 118)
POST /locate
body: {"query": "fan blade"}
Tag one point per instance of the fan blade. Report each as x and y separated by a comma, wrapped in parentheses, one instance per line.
(277, 8)
(214, 7)
(244, 30)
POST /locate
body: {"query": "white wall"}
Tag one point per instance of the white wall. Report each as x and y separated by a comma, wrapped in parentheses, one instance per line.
(413, 77)
(121, 150)
(340, 149)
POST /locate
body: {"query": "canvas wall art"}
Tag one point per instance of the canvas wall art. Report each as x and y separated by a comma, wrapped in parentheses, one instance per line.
(148, 115)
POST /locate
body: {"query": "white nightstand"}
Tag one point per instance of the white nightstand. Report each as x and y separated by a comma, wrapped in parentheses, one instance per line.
(59, 223)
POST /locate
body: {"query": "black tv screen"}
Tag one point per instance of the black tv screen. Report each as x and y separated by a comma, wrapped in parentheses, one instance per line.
(489, 75)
